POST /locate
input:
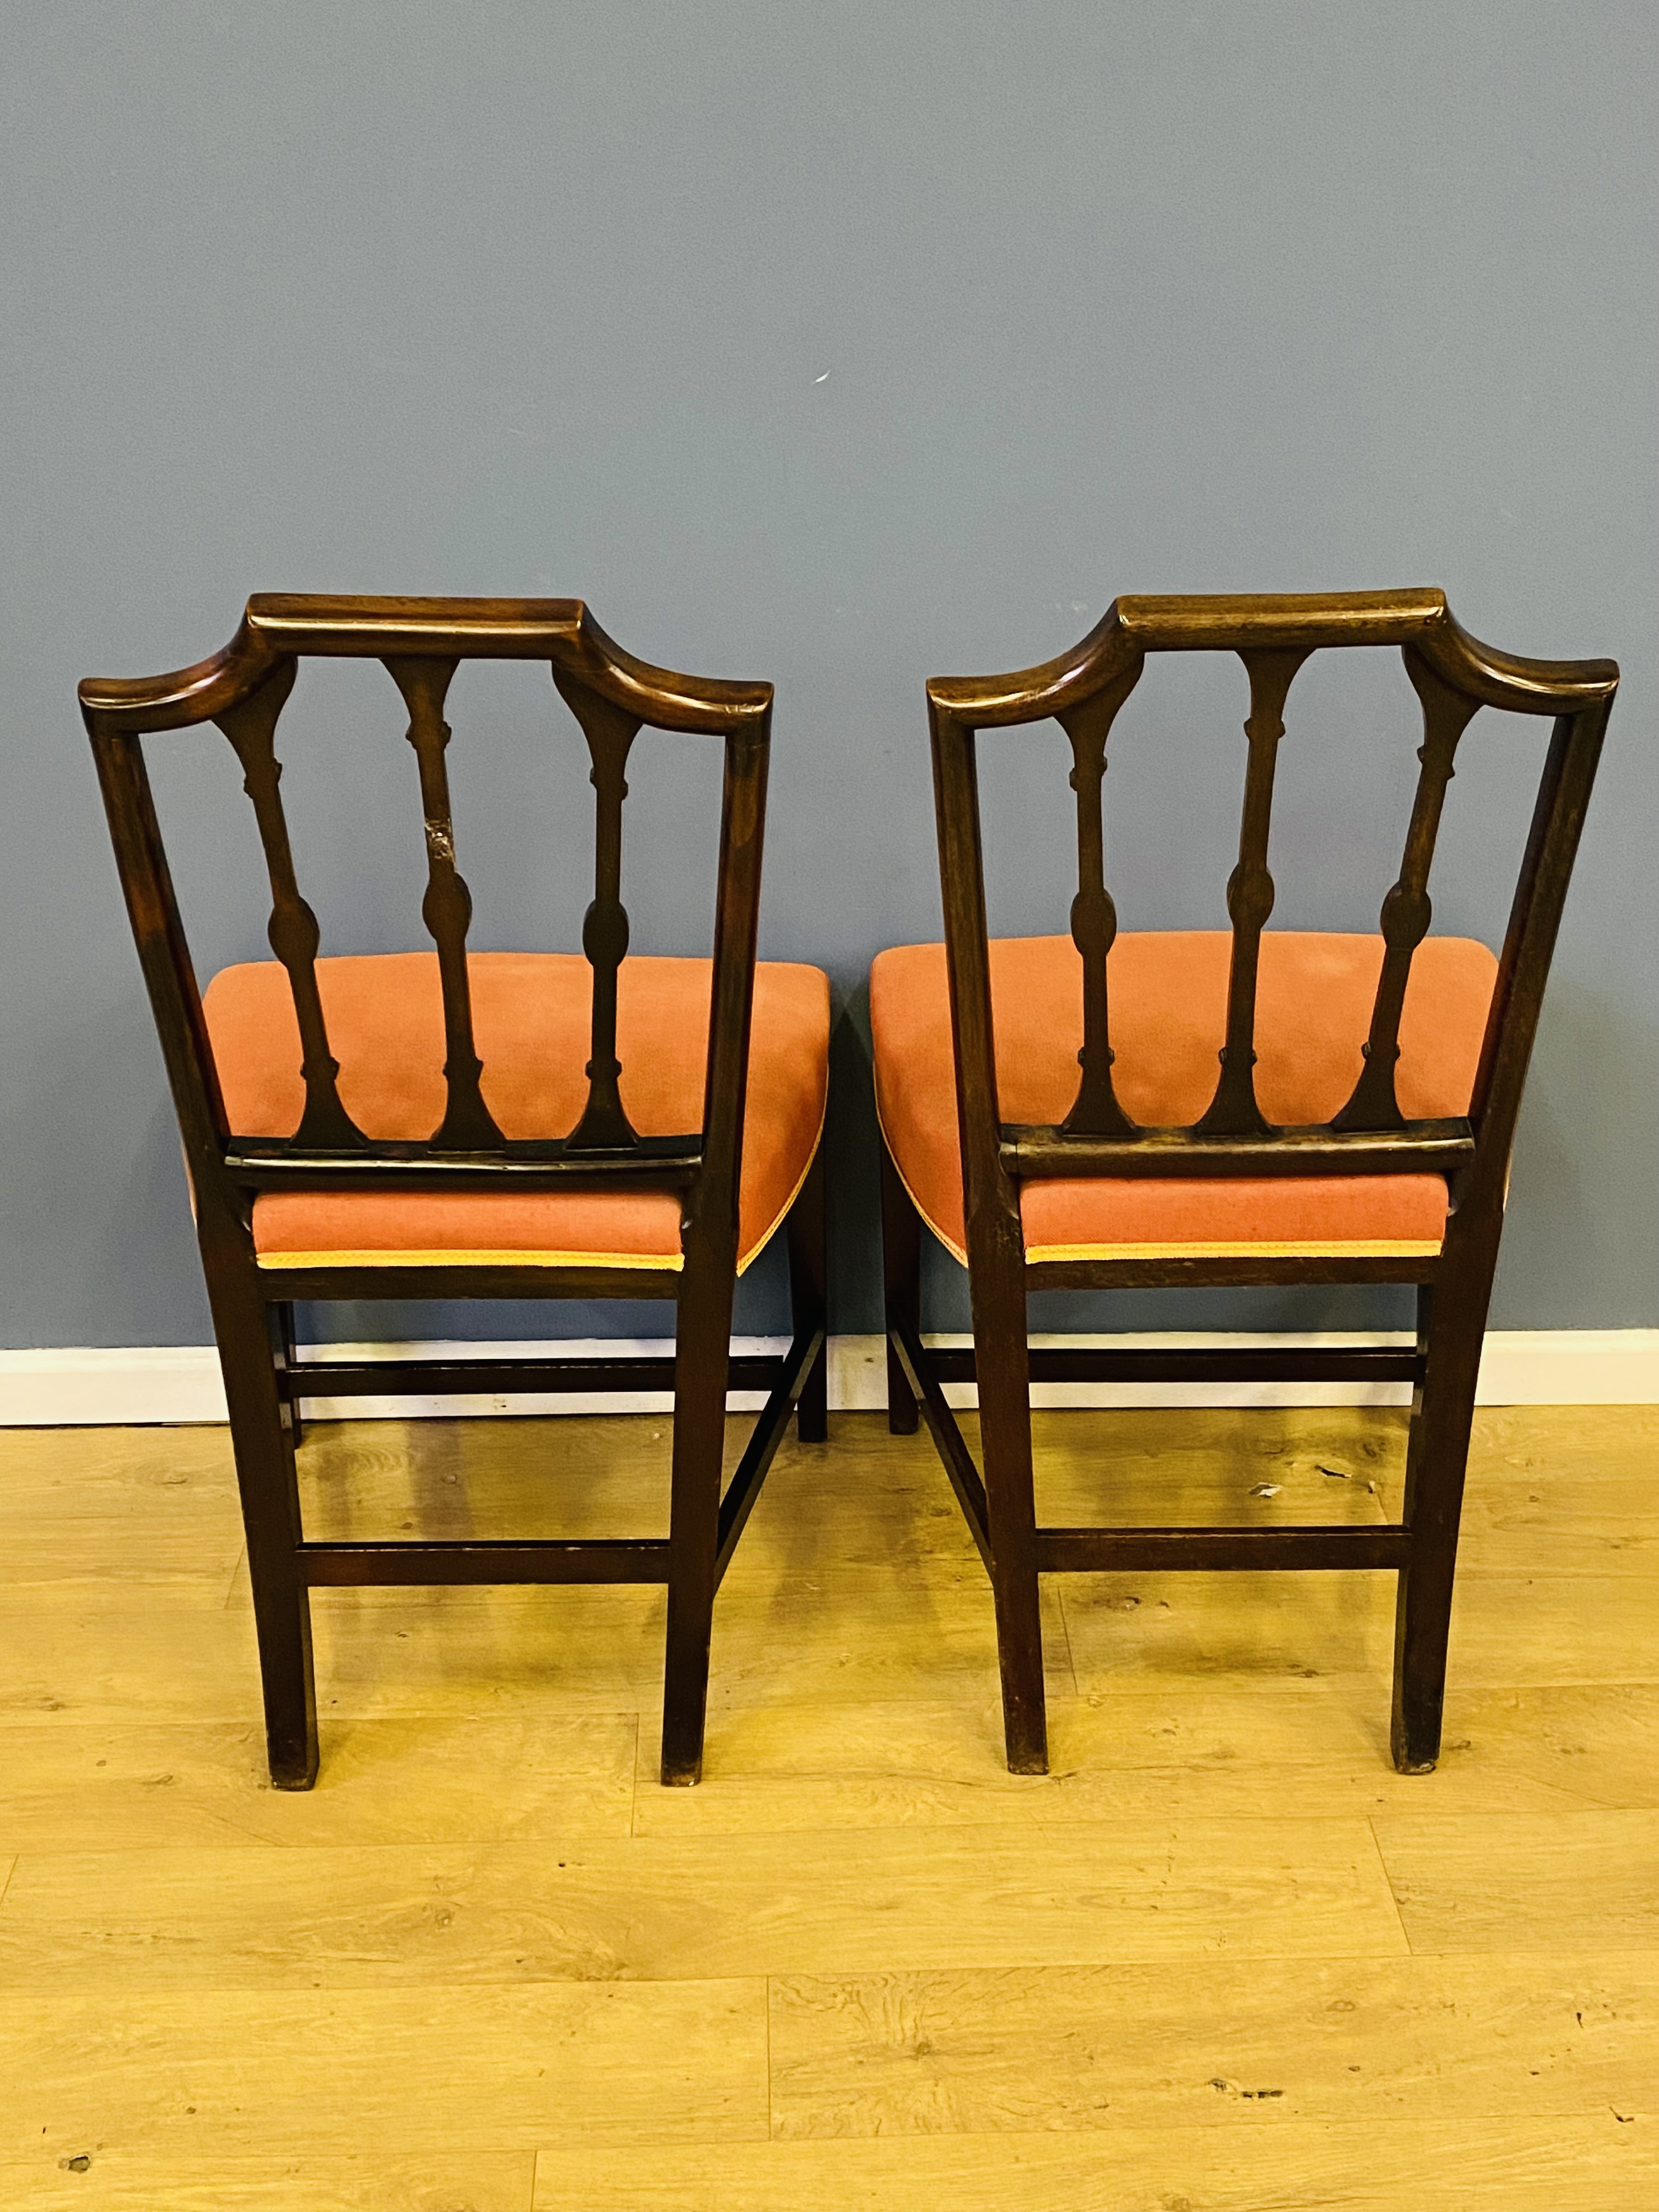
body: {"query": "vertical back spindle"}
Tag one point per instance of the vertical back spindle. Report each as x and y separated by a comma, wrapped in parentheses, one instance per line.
(468, 1124)
(609, 732)
(292, 931)
(1233, 1111)
(1407, 910)
(1096, 1111)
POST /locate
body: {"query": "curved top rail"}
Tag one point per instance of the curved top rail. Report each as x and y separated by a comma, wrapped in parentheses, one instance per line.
(1505, 679)
(1134, 626)
(279, 626)
(185, 696)
(1028, 695)
(369, 629)
(660, 697)
(1225, 622)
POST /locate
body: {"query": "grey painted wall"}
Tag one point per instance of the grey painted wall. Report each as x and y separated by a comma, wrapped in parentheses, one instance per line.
(841, 345)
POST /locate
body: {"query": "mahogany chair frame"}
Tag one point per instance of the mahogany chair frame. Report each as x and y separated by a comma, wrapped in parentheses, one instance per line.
(613, 696)
(1453, 676)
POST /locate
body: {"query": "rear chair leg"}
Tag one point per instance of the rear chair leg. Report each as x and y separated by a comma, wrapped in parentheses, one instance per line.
(1442, 1416)
(702, 1350)
(900, 1264)
(249, 1346)
(809, 1243)
(1005, 1420)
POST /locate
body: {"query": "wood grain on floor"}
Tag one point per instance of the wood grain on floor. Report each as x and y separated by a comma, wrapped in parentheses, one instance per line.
(1221, 1958)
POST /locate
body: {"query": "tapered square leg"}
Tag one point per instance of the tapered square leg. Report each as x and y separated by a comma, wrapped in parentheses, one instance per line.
(1451, 1332)
(1005, 1420)
(249, 1346)
(701, 1353)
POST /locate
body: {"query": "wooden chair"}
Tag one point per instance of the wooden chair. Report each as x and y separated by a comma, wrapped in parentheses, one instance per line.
(1313, 1158)
(329, 1159)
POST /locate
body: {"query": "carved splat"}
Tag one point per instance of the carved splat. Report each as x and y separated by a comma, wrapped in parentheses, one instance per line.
(1233, 1111)
(292, 930)
(1096, 1111)
(468, 1124)
(1407, 910)
(604, 1125)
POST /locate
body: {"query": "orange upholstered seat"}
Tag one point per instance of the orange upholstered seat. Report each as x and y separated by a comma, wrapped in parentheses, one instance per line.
(530, 1015)
(1168, 1002)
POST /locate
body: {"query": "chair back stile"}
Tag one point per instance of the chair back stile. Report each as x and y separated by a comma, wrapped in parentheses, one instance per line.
(242, 691)
(711, 1205)
(1453, 676)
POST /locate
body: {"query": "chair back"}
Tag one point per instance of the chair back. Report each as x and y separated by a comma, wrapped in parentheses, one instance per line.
(1453, 677)
(421, 643)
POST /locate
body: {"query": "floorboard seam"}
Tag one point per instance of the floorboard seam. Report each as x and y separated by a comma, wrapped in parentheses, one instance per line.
(1066, 1631)
(1382, 1860)
(633, 1787)
(769, 2137)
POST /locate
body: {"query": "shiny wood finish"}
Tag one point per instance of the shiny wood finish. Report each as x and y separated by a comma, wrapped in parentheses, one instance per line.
(421, 642)
(1406, 910)
(1096, 1111)
(1453, 676)
(1233, 1111)
(610, 733)
(293, 931)
(468, 1124)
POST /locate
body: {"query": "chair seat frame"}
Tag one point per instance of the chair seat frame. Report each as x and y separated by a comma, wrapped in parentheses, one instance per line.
(1453, 676)
(613, 696)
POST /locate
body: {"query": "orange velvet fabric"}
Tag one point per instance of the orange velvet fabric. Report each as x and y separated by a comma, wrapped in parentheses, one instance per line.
(530, 1013)
(1168, 994)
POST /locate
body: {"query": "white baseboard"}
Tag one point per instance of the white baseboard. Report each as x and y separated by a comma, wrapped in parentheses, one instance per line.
(130, 1385)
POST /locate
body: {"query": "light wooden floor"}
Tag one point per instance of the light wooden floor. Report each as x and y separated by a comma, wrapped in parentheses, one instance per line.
(1222, 1957)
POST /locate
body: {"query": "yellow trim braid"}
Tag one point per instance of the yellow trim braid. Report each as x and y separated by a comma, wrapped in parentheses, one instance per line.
(399, 1258)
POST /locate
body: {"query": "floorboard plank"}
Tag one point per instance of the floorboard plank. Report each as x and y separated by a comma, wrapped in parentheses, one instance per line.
(102, 2180)
(502, 1653)
(49, 1573)
(1498, 1881)
(1579, 2162)
(163, 1785)
(698, 1908)
(454, 1960)
(1203, 1749)
(132, 1479)
(419, 2072)
(1507, 1629)
(1192, 2045)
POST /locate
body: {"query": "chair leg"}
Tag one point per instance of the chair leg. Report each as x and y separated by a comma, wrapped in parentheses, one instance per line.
(249, 1347)
(809, 1242)
(900, 1264)
(702, 1350)
(1450, 1330)
(1005, 1422)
